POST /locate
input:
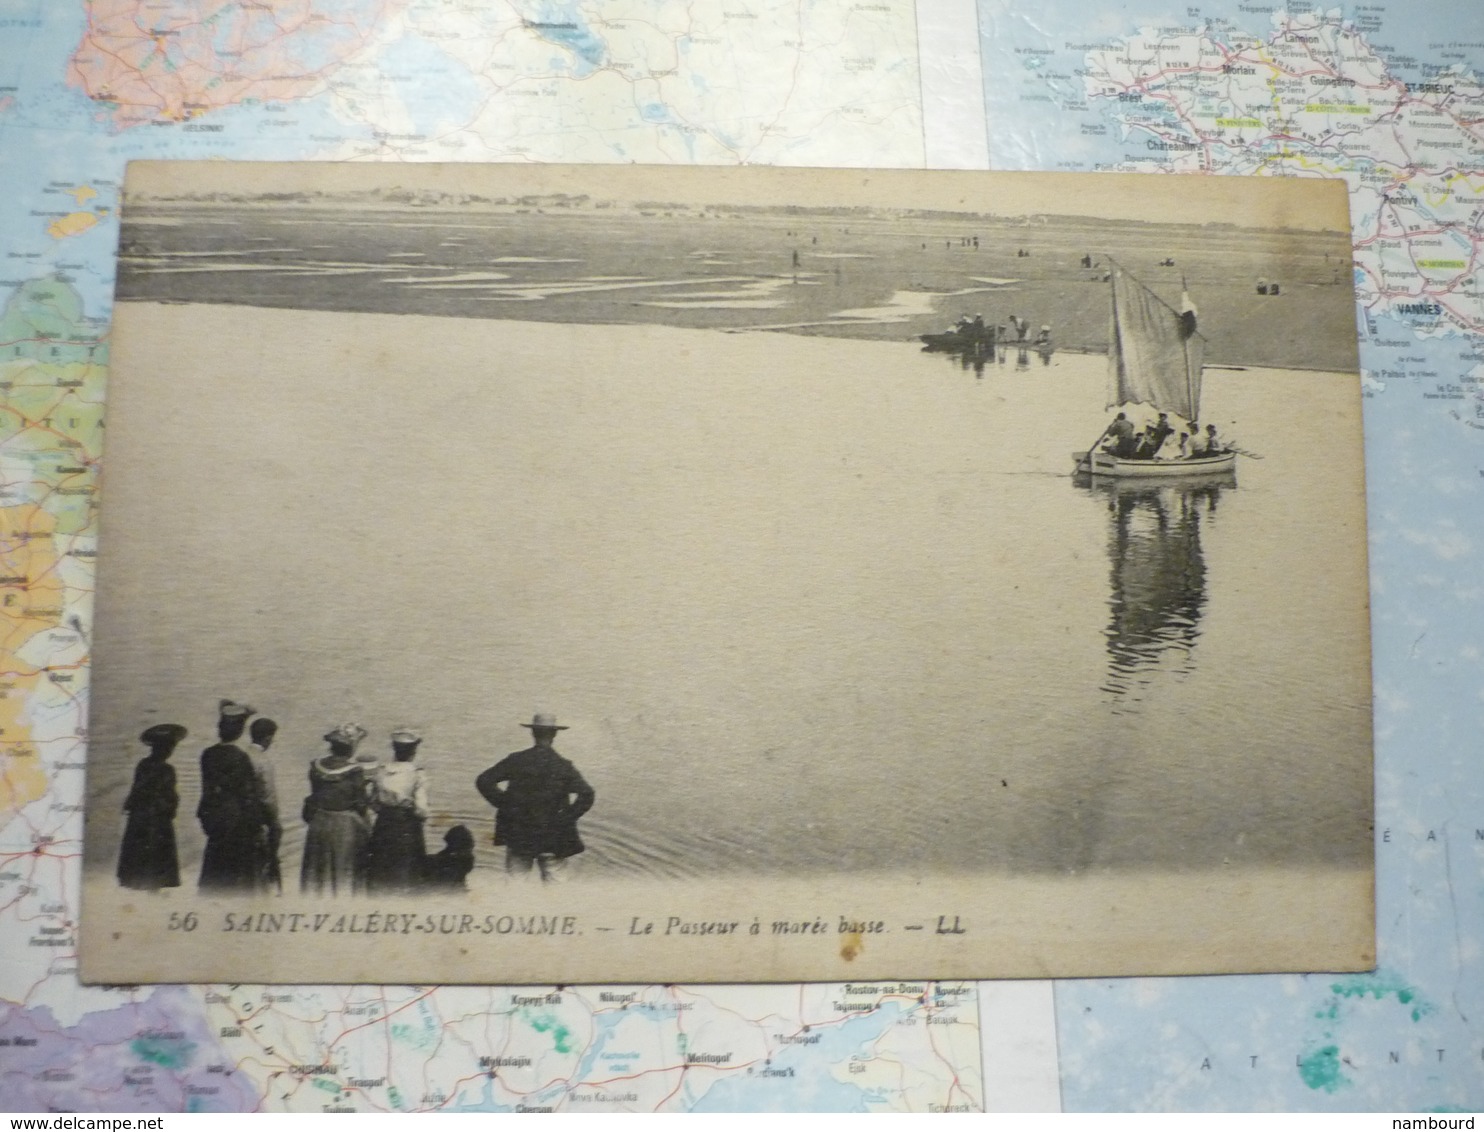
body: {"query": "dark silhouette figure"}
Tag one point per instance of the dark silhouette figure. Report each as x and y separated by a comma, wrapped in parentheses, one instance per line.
(148, 858)
(448, 868)
(231, 811)
(538, 797)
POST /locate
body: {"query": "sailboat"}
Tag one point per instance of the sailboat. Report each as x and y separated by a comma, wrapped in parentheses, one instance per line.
(1154, 358)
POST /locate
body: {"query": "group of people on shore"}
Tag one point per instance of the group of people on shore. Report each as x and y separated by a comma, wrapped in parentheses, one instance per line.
(364, 818)
(1159, 439)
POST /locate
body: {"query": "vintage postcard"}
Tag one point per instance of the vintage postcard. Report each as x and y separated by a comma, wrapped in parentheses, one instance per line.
(596, 574)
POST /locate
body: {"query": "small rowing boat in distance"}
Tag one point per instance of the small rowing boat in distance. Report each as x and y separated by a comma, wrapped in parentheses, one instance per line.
(953, 341)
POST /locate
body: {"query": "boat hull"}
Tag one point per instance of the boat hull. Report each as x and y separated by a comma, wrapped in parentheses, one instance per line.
(958, 343)
(1106, 465)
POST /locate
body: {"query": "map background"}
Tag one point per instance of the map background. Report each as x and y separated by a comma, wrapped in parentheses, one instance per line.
(1407, 1037)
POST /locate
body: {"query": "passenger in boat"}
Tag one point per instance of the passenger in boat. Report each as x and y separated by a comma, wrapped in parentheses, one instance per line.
(1044, 337)
(1121, 436)
(977, 326)
(1214, 447)
(1154, 438)
(1185, 446)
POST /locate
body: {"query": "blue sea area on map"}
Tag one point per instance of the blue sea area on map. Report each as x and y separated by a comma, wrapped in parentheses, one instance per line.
(1392, 1039)
(1286, 1043)
(1394, 346)
(43, 160)
(1415, 39)
(38, 50)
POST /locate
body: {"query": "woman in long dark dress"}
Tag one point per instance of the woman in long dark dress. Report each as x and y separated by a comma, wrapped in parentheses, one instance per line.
(147, 857)
(399, 795)
(231, 809)
(336, 810)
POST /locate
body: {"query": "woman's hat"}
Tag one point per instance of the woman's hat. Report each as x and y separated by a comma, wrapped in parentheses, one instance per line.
(347, 733)
(230, 709)
(405, 737)
(544, 722)
(163, 733)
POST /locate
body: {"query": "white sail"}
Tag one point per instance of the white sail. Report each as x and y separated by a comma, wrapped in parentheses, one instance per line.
(1154, 352)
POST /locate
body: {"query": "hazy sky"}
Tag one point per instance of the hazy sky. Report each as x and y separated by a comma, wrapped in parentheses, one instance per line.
(1265, 202)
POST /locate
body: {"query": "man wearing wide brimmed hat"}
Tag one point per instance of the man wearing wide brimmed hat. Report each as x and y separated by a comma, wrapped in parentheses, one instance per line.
(232, 811)
(538, 797)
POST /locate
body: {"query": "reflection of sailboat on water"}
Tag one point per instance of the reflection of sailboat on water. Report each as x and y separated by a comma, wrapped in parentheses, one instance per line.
(1157, 574)
(978, 357)
(1154, 358)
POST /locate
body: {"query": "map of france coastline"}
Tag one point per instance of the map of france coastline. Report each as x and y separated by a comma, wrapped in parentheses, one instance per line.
(1314, 99)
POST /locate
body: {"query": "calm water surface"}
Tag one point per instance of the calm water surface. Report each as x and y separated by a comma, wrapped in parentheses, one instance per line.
(808, 604)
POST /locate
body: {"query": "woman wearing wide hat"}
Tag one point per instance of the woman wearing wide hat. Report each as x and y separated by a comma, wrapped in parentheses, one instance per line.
(399, 796)
(337, 812)
(147, 858)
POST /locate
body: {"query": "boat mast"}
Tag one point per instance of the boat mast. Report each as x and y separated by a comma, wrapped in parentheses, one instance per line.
(1113, 349)
(1190, 394)
(1136, 386)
